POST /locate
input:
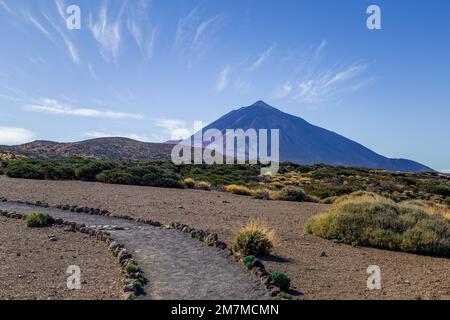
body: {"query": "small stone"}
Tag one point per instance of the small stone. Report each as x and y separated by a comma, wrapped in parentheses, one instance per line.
(128, 288)
(323, 254)
(69, 228)
(265, 280)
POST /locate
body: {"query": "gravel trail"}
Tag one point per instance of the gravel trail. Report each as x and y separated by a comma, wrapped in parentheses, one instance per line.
(177, 266)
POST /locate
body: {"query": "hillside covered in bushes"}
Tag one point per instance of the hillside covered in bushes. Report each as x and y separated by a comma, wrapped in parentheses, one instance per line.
(293, 182)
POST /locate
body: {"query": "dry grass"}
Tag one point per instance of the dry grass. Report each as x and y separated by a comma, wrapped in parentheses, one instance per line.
(254, 238)
(240, 190)
(189, 182)
(359, 196)
(430, 207)
(203, 185)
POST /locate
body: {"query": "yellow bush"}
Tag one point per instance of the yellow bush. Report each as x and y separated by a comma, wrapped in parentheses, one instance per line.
(189, 182)
(240, 190)
(374, 221)
(254, 239)
(359, 196)
(203, 185)
(430, 207)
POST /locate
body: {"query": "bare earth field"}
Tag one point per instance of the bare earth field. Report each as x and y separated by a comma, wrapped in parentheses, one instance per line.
(33, 267)
(320, 269)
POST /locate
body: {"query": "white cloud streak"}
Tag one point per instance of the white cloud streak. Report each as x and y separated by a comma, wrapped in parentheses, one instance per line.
(203, 27)
(11, 135)
(313, 82)
(51, 106)
(262, 58)
(7, 8)
(194, 36)
(222, 81)
(107, 33)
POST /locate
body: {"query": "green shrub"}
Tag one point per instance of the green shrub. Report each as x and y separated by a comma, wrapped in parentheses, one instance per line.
(293, 194)
(248, 261)
(254, 239)
(24, 169)
(132, 268)
(280, 280)
(173, 224)
(38, 220)
(90, 170)
(284, 296)
(138, 287)
(384, 224)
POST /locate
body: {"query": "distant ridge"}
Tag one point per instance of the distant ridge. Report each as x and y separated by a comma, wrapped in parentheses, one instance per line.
(100, 148)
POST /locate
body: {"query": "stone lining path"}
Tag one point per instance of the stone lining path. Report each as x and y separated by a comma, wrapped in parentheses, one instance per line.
(177, 266)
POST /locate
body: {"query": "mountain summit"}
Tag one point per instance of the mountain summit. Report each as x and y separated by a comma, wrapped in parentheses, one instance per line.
(302, 142)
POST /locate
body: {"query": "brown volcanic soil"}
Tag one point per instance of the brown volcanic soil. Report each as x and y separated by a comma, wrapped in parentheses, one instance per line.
(320, 269)
(33, 267)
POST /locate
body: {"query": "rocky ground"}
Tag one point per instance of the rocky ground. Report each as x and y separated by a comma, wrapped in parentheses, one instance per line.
(34, 262)
(320, 269)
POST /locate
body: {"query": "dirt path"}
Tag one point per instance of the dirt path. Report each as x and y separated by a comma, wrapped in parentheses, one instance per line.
(319, 268)
(177, 266)
(34, 267)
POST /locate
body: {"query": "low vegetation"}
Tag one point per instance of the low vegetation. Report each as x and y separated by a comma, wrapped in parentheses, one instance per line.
(39, 220)
(254, 239)
(248, 261)
(367, 219)
(280, 280)
(317, 183)
(240, 190)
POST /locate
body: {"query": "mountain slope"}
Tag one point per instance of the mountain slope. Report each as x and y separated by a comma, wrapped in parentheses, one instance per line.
(302, 142)
(101, 148)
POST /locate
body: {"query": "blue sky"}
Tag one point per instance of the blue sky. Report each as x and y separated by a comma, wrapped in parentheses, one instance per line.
(148, 69)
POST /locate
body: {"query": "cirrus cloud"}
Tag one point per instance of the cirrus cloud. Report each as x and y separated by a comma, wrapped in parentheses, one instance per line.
(51, 106)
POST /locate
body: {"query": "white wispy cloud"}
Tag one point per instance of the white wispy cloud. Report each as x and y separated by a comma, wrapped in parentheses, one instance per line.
(313, 81)
(328, 83)
(151, 42)
(262, 57)
(39, 62)
(176, 129)
(12, 135)
(140, 27)
(108, 134)
(35, 23)
(9, 98)
(51, 106)
(57, 29)
(92, 71)
(194, 35)
(283, 90)
(107, 32)
(7, 8)
(202, 27)
(185, 28)
(222, 80)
